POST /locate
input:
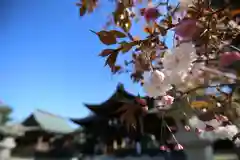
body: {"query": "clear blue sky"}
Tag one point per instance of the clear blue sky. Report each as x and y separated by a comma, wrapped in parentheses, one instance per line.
(48, 58)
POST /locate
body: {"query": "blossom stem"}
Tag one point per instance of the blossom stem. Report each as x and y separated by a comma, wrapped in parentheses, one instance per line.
(217, 72)
(233, 47)
(173, 136)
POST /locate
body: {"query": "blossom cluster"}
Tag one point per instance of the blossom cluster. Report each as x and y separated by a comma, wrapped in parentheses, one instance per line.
(217, 128)
(186, 66)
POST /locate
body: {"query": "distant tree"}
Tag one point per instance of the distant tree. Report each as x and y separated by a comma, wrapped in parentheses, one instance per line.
(5, 112)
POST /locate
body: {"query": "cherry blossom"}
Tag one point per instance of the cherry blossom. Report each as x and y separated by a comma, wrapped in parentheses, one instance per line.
(167, 100)
(157, 77)
(195, 122)
(155, 84)
(164, 103)
(179, 58)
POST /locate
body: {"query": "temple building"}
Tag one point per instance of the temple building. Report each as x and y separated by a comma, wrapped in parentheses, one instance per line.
(116, 126)
(107, 132)
(50, 134)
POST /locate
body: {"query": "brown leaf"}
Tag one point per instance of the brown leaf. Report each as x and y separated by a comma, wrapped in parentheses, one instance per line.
(106, 52)
(128, 3)
(82, 10)
(128, 112)
(118, 34)
(116, 69)
(92, 4)
(106, 37)
(111, 60)
(127, 46)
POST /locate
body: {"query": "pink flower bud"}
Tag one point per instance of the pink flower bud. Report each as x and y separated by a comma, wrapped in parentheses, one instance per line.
(228, 58)
(187, 128)
(178, 147)
(164, 148)
(198, 131)
(167, 100)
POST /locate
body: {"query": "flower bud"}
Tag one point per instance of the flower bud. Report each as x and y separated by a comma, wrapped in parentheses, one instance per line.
(164, 148)
(178, 147)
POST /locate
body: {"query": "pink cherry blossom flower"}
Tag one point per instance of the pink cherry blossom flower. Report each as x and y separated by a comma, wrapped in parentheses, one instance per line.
(228, 58)
(157, 77)
(167, 100)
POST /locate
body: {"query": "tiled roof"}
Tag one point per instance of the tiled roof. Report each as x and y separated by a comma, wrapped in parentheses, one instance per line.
(52, 123)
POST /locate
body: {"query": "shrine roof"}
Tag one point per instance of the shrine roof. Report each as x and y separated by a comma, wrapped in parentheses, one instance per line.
(119, 97)
(86, 120)
(48, 122)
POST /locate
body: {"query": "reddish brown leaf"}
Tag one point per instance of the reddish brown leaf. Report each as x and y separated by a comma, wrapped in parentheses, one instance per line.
(82, 11)
(116, 69)
(106, 52)
(106, 37)
(92, 4)
(111, 60)
(127, 113)
(127, 46)
(118, 34)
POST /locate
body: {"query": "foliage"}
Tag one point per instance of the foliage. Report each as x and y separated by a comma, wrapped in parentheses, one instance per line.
(205, 54)
(5, 112)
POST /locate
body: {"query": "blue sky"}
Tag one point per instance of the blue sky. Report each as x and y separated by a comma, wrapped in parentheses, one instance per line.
(48, 58)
